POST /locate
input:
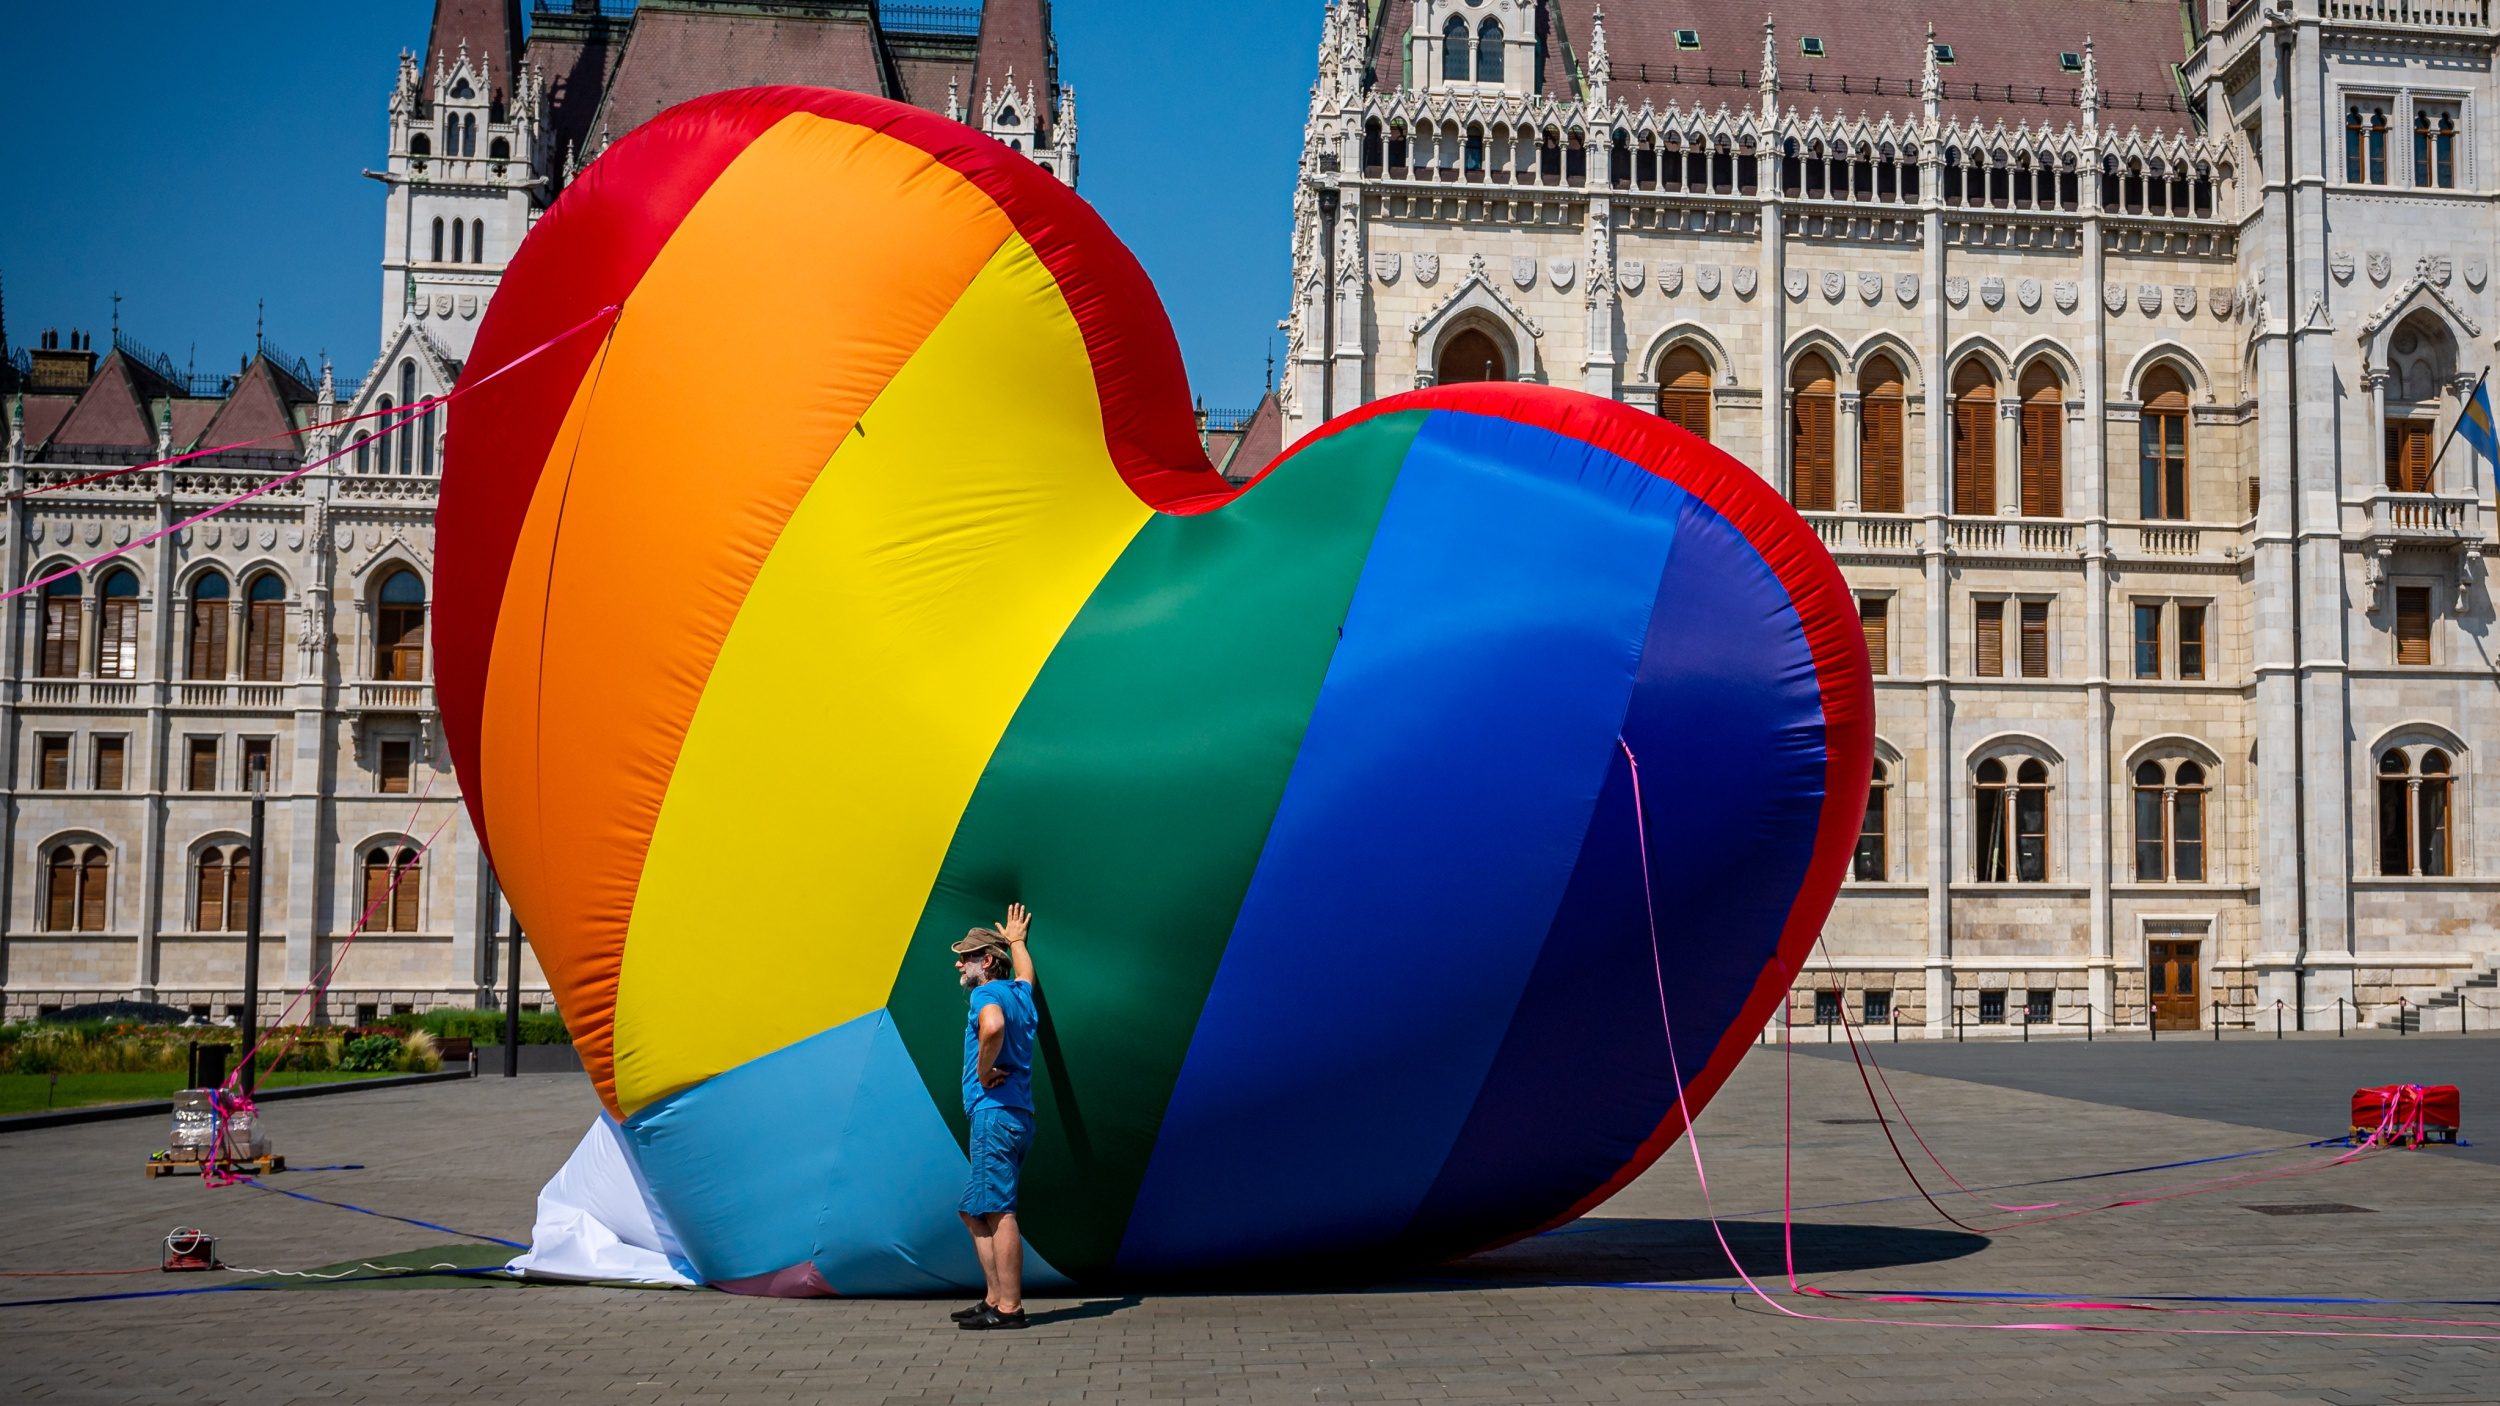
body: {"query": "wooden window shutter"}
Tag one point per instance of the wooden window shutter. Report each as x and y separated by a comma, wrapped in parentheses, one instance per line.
(1875, 618)
(2417, 457)
(60, 637)
(2191, 641)
(209, 912)
(94, 882)
(1811, 429)
(404, 898)
(108, 764)
(1974, 457)
(208, 640)
(264, 642)
(60, 909)
(376, 911)
(1879, 454)
(2044, 489)
(2413, 624)
(54, 769)
(1990, 639)
(118, 647)
(203, 772)
(2035, 639)
(238, 890)
(394, 769)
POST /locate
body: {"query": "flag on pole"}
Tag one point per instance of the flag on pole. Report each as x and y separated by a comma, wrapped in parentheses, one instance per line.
(2475, 426)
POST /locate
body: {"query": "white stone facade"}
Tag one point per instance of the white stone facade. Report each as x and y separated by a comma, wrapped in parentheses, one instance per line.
(1587, 240)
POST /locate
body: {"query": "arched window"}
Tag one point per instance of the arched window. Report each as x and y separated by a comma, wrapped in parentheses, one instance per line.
(459, 242)
(451, 135)
(468, 135)
(364, 452)
(61, 612)
(2170, 821)
(399, 629)
(2043, 442)
(2011, 808)
(420, 145)
(1974, 440)
(1472, 355)
(1454, 49)
(438, 239)
(1813, 413)
(499, 150)
(2353, 130)
(1489, 51)
(1871, 863)
(2162, 434)
(477, 241)
(264, 630)
(2444, 152)
(1880, 405)
(206, 655)
(2375, 143)
(385, 435)
(1473, 160)
(407, 436)
(1684, 391)
(222, 889)
(2416, 800)
(117, 627)
(77, 881)
(393, 882)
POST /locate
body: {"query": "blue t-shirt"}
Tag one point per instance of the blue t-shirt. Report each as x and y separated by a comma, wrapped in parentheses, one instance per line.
(1014, 1000)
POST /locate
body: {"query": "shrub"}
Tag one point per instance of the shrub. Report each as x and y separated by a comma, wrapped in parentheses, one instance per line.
(486, 1027)
(418, 1054)
(366, 1054)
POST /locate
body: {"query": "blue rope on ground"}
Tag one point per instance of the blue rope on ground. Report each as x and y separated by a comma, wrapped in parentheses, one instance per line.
(242, 1288)
(257, 1185)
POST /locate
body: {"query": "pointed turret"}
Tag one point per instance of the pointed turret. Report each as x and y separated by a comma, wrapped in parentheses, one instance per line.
(490, 33)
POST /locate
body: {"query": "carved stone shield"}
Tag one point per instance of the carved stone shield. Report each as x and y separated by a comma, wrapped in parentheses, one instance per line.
(1905, 288)
(1523, 271)
(2218, 301)
(1384, 266)
(1746, 279)
(2027, 293)
(1670, 279)
(1427, 269)
(1871, 286)
(1992, 292)
(2380, 266)
(2437, 268)
(1562, 270)
(2148, 299)
(1795, 282)
(1957, 290)
(1706, 278)
(468, 306)
(2474, 273)
(2340, 264)
(442, 305)
(1835, 283)
(2114, 297)
(1632, 274)
(2066, 294)
(2183, 298)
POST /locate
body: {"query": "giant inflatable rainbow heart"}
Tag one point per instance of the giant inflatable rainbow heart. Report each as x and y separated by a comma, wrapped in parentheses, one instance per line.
(864, 572)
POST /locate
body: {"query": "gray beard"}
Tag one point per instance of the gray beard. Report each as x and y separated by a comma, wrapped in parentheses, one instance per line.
(970, 979)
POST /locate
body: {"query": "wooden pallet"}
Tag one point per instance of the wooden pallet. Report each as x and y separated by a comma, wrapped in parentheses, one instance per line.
(184, 1165)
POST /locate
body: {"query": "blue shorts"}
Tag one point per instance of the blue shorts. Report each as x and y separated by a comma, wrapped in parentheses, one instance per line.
(1000, 1138)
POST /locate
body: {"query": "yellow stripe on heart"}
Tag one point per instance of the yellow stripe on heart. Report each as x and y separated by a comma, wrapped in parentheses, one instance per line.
(873, 667)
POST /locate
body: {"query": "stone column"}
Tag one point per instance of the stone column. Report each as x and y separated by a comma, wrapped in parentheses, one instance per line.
(2009, 466)
(1346, 362)
(1845, 451)
(1943, 774)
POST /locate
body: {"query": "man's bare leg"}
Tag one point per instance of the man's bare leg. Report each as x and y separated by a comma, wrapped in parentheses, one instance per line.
(985, 1249)
(1005, 1266)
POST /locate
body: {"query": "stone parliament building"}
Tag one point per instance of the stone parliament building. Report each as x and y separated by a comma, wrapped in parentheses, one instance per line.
(286, 637)
(2113, 346)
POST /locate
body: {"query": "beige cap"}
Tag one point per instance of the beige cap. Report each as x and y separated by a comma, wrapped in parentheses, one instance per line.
(981, 940)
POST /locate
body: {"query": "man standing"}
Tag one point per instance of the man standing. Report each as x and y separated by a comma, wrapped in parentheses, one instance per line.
(994, 966)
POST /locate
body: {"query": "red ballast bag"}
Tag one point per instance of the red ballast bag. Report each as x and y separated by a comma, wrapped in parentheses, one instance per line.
(2407, 1112)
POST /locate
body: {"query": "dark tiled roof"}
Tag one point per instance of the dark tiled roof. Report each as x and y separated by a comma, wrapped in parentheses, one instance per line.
(578, 63)
(191, 421)
(491, 29)
(677, 55)
(1015, 42)
(112, 413)
(2006, 66)
(1259, 440)
(924, 83)
(260, 410)
(43, 415)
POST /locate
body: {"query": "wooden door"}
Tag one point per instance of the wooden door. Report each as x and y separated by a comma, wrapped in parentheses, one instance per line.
(2174, 978)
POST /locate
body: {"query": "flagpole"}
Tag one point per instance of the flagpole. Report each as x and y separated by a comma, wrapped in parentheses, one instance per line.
(2459, 422)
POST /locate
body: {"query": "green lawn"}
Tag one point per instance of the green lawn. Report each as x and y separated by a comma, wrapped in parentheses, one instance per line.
(33, 1093)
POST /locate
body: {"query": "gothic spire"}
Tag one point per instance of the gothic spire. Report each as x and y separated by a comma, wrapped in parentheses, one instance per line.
(1770, 70)
(490, 32)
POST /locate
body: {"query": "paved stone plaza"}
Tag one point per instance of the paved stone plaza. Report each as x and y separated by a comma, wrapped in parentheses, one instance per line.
(1535, 1322)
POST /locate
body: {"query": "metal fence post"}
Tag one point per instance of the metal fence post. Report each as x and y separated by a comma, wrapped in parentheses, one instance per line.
(2278, 1019)
(2217, 1022)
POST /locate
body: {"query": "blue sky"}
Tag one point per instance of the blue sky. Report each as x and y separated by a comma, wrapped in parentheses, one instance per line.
(200, 157)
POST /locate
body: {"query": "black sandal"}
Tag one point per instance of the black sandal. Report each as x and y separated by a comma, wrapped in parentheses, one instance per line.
(989, 1319)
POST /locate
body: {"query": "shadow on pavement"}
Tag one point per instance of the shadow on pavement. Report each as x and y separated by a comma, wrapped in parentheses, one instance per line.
(1612, 1251)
